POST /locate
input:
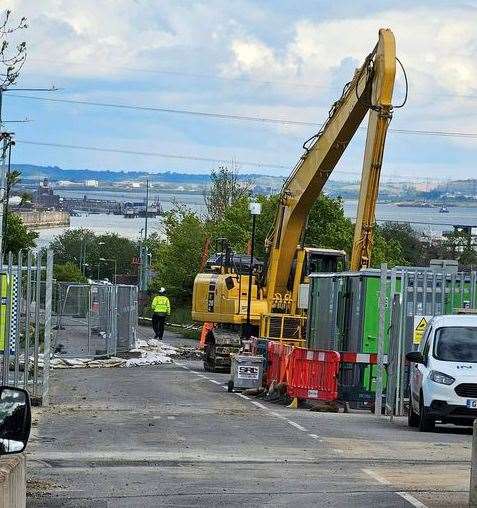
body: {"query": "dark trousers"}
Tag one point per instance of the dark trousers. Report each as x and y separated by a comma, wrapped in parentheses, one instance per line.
(158, 321)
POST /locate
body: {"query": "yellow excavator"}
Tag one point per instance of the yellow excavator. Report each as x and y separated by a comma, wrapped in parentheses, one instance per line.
(221, 293)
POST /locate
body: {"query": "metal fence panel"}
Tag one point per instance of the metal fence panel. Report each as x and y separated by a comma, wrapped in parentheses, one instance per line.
(25, 321)
(422, 293)
(95, 319)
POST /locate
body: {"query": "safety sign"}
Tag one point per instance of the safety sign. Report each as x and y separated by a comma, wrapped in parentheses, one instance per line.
(420, 323)
(248, 372)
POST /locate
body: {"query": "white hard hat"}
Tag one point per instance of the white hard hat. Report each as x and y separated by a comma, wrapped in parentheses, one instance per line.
(162, 290)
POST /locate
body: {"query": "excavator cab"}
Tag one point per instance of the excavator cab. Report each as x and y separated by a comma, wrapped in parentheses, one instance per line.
(323, 261)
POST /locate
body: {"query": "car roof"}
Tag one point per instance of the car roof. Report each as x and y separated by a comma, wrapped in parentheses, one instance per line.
(455, 320)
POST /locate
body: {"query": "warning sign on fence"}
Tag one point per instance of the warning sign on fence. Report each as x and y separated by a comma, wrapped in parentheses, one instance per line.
(420, 323)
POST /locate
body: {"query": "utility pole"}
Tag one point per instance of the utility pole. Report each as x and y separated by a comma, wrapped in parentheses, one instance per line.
(5, 138)
(255, 209)
(143, 253)
(147, 210)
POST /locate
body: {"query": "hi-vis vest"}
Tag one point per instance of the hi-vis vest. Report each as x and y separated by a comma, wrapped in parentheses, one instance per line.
(161, 305)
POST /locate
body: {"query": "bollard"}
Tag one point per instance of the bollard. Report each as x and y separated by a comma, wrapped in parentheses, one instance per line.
(473, 470)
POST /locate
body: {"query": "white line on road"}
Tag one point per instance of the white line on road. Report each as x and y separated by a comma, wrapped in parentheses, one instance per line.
(297, 425)
(261, 406)
(376, 477)
(171, 417)
(411, 499)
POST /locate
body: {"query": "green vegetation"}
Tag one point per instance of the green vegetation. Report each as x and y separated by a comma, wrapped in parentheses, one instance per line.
(84, 249)
(68, 272)
(17, 236)
(177, 256)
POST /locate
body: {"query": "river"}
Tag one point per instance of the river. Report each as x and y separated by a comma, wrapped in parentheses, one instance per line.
(427, 220)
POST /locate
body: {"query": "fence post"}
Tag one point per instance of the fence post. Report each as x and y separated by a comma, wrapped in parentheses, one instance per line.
(473, 470)
(18, 283)
(6, 328)
(114, 318)
(47, 339)
(378, 402)
(36, 346)
(26, 368)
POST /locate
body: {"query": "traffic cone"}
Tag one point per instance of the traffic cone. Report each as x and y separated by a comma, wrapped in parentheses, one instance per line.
(294, 403)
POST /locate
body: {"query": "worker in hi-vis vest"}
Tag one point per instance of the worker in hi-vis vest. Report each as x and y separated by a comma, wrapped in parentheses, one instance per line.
(161, 308)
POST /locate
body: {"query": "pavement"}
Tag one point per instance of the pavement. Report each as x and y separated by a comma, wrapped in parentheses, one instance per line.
(171, 435)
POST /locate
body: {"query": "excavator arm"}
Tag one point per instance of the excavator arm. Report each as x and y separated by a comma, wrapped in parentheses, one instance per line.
(370, 90)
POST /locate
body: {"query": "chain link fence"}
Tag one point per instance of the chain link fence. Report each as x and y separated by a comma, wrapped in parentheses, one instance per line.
(95, 320)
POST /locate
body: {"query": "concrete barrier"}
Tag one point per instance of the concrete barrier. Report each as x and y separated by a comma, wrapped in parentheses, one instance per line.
(13, 481)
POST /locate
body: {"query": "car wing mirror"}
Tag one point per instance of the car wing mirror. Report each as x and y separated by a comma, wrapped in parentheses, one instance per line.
(15, 419)
(415, 357)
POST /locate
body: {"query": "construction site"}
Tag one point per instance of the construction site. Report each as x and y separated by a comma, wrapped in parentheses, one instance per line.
(319, 374)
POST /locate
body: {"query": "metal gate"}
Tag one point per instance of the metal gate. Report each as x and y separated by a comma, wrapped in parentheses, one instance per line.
(95, 320)
(409, 296)
(26, 284)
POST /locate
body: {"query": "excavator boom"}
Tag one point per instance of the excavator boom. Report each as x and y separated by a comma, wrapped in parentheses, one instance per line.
(370, 89)
(270, 302)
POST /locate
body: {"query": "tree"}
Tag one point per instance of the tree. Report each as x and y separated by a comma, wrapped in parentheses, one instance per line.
(25, 198)
(17, 235)
(410, 241)
(87, 250)
(117, 252)
(11, 62)
(225, 189)
(68, 272)
(468, 258)
(69, 246)
(327, 226)
(176, 259)
(13, 178)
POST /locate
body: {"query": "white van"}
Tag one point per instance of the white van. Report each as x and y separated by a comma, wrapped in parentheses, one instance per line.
(443, 379)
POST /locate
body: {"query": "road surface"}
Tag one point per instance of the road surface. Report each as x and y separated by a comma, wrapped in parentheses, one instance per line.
(171, 435)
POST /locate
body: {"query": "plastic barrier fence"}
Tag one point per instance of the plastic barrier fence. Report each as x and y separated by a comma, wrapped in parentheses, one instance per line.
(278, 356)
(313, 374)
(357, 378)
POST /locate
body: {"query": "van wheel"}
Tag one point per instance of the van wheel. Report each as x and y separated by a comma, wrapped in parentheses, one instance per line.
(412, 417)
(426, 423)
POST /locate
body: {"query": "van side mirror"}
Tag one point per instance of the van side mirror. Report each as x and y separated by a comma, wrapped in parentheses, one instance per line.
(415, 357)
(15, 420)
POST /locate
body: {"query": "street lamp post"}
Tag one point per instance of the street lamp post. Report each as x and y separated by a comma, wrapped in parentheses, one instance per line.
(115, 266)
(255, 209)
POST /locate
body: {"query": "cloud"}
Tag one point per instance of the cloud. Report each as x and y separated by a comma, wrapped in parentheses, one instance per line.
(438, 47)
(288, 62)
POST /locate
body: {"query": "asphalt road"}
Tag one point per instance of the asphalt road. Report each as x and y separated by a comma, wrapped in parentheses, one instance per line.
(171, 435)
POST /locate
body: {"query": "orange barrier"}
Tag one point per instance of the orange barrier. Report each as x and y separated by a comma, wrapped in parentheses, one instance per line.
(313, 374)
(206, 328)
(277, 362)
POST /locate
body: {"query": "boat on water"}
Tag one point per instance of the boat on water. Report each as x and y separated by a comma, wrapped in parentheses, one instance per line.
(444, 209)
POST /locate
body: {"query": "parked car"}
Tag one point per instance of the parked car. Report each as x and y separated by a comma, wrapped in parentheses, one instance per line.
(443, 378)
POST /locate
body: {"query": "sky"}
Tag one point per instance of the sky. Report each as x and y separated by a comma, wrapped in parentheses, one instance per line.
(274, 59)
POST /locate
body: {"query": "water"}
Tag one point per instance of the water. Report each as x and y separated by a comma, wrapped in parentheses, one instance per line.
(130, 228)
(167, 199)
(432, 222)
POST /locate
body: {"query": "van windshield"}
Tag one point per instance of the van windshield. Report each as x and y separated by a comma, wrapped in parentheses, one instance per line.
(456, 344)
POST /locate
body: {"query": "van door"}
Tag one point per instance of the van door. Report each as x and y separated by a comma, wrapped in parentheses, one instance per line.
(418, 370)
